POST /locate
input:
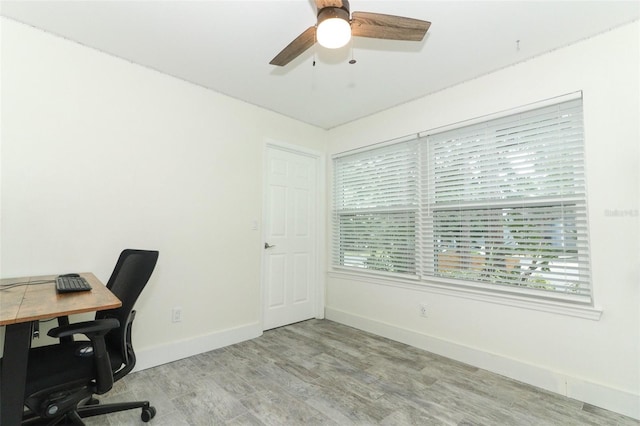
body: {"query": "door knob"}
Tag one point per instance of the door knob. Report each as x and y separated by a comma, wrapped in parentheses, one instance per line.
(268, 246)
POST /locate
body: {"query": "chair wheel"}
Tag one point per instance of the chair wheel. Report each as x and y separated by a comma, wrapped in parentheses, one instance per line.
(92, 401)
(148, 414)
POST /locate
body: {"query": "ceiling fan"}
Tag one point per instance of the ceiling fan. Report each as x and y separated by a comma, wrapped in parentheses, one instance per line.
(335, 28)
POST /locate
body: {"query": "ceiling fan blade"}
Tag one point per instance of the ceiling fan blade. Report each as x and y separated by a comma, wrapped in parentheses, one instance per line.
(321, 4)
(296, 47)
(391, 27)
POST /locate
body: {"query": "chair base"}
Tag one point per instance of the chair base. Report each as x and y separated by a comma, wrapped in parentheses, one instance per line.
(148, 412)
(93, 408)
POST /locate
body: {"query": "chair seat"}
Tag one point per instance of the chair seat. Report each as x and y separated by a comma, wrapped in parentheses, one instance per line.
(52, 365)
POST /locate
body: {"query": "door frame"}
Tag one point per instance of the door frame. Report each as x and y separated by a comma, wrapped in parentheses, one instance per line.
(321, 225)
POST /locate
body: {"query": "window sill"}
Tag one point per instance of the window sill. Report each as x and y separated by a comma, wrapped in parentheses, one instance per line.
(488, 295)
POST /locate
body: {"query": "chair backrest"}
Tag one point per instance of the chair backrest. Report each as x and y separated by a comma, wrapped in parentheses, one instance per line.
(128, 279)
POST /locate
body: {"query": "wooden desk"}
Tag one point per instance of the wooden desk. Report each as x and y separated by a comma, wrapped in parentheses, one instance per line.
(20, 307)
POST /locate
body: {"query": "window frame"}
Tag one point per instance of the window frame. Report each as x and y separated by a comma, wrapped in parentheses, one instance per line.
(525, 297)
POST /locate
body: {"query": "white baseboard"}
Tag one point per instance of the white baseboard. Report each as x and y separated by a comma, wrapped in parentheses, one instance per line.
(597, 394)
(173, 351)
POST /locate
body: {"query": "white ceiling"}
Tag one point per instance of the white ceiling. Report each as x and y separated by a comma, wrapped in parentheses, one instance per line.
(227, 45)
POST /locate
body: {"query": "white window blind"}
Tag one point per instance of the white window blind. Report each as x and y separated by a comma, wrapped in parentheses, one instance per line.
(499, 204)
(506, 203)
(375, 205)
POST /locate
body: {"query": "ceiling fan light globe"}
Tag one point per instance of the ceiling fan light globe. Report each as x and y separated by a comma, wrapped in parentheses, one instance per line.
(333, 33)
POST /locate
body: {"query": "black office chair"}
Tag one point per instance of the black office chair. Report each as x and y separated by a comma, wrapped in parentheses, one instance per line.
(63, 378)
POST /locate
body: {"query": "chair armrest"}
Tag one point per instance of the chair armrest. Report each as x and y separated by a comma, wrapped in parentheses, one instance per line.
(95, 331)
(88, 328)
(64, 320)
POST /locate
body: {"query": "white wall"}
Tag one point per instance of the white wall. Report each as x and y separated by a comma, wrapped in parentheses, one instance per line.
(596, 361)
(99, 154)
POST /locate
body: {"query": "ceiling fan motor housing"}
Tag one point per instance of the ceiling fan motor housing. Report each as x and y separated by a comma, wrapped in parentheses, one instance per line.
(333, 12)
(333, 29)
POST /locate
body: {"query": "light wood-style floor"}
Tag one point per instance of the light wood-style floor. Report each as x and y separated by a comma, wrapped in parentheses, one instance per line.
(319, 372)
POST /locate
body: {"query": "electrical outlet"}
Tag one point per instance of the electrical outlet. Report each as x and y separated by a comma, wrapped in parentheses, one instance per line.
(176, 314)
(423, 310)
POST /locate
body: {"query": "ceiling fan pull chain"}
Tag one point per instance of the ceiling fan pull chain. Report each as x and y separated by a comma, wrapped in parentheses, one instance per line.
(315, 49)
(352, 61)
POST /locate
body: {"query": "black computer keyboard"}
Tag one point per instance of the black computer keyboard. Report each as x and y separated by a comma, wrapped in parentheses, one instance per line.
(68, 284)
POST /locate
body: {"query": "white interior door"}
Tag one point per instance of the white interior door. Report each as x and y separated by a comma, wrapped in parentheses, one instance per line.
(290, 258)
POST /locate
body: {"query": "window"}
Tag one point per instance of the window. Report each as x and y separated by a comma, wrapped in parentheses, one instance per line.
(499, 204)
(376, 204)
